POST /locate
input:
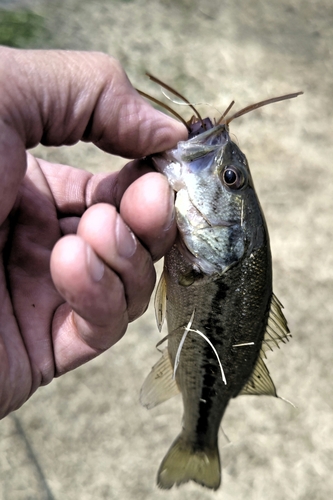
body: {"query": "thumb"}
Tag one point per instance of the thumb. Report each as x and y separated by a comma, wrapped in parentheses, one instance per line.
(61, 97)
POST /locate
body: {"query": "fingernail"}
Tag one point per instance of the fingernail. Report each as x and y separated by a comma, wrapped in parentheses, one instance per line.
(95, 265)
(126, 242)
(171, 210)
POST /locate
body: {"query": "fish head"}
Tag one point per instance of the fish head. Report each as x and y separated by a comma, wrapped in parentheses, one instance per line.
(217, 211)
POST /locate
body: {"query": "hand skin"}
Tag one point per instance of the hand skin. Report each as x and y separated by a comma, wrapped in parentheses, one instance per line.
(77, 250)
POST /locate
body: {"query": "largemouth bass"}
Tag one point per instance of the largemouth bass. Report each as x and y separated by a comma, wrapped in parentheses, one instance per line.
(216, 294)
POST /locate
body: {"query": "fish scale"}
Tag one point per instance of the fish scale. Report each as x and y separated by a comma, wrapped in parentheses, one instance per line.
(216, 295)
(220, 314)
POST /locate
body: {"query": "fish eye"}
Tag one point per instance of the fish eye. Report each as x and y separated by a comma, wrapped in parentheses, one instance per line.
(233, 177)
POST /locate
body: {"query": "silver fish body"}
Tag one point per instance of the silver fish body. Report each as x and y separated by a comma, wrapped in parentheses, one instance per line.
(216, 285)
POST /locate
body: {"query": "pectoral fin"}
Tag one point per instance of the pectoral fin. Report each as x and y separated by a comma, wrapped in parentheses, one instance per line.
(160, 385)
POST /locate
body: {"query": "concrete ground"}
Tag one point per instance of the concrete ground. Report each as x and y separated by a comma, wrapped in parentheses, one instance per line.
(85, 436)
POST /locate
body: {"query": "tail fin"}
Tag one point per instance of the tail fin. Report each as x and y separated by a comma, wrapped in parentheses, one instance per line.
(183, 463)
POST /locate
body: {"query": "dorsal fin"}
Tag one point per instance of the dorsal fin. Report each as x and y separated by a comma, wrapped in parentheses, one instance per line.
(260, 382)
(160, 302)
(160, 385)
(277, 329)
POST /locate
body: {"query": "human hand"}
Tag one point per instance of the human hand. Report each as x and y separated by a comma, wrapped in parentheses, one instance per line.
(65, 299)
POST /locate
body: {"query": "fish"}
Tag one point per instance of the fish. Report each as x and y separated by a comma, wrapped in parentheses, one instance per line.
(216, 295)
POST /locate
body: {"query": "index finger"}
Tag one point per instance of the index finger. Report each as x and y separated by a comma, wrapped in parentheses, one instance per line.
(141, 195)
